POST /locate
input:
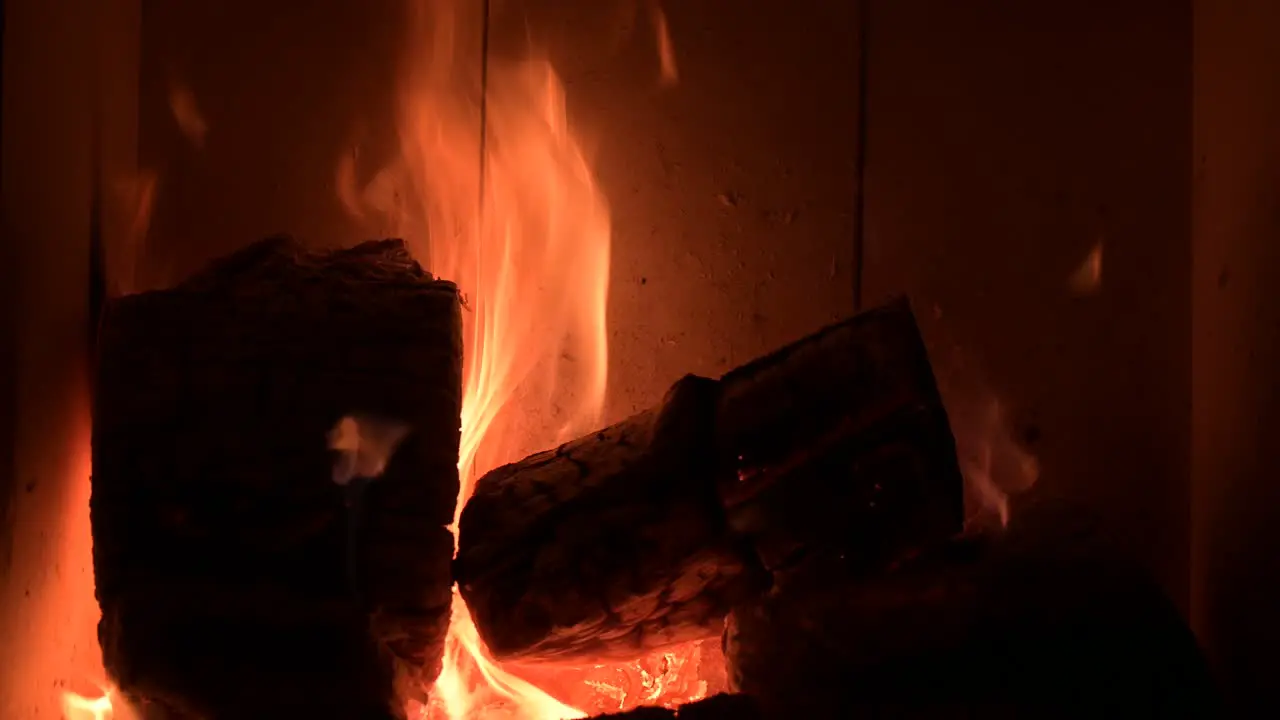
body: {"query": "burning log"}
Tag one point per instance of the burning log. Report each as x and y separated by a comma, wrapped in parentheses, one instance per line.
(607, 546)
(248, 563)
(1046, 620)
(646, 533)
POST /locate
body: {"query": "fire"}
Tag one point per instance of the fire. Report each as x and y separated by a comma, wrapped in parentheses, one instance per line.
(666, 50)
(495, 191)
(471, 685)
(995, 465)
(500, 198)
(106, 706)
(132, 198)
(78, 707)
(1087, 278)
(515, 218)
(186, 113)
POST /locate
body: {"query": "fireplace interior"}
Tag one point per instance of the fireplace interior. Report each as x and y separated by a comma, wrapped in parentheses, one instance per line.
(462, 359)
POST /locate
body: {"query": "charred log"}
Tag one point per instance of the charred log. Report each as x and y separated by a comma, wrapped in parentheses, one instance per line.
(237, 579)
(1047, 620)
(840, 447)
(608, 546)
(644, 534)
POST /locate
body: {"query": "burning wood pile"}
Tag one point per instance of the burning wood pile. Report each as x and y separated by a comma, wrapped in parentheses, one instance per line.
(275, 469)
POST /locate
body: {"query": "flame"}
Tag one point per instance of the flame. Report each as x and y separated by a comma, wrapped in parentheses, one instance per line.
(512, 214)
(186, 113)
(132, 198)
(666, 50)
(500, 197)
(106, 706)
(531, 254)
(523, 231)
(995, 466)
(79, 707)
(1087, 278)
(996, 459)
(364, 446)
(471, 685)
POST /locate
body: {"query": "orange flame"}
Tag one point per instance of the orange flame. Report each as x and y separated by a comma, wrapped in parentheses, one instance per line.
(531, 254)
(133, 197)
(994, 464)
(186, 113)
(666, 49)
(106, 706)
(516, 220)
(79, 707)
(512, 213)
(1087, 278)
(529, 249)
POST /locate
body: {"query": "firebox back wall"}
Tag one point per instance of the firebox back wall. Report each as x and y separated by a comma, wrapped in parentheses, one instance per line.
(1004, 143)
(1007, 142)
(732, 192)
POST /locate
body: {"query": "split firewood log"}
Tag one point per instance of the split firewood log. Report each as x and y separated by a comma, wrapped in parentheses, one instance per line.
(644, 534)
(1047, 620)
(838, 446)
(607, 546)
(275, 449)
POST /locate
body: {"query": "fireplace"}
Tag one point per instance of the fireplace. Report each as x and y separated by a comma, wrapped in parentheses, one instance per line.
(690, 186)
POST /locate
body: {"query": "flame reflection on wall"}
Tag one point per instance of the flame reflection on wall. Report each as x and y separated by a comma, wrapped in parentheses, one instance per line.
(48, 617)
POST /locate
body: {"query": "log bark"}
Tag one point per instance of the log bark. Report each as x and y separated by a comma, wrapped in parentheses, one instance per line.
(606, 547)
(1046, 620)
(646, 533)
(236, 578)
(839, 447)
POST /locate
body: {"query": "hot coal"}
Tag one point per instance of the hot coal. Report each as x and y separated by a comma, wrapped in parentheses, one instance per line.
(237, 579)
(716, 707)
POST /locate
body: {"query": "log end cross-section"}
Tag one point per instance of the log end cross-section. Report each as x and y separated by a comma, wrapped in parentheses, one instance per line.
(237, 579)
